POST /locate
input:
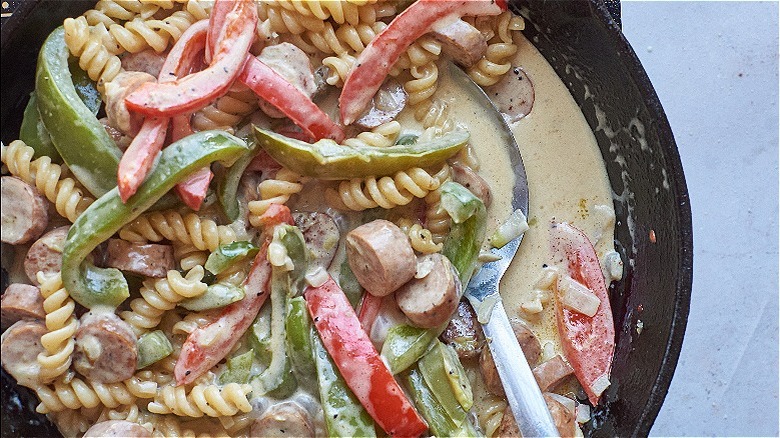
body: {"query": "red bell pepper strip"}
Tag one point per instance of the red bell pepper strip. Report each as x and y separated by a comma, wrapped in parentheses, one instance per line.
(216, 25)
(374, 63)
(137, 160)
(193, 190)
(588, 342)
(197, 90)
(208, 345)
(291, 101)
(359, 363)
(369, 310)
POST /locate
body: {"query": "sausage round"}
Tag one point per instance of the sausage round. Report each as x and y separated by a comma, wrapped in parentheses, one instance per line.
(508, 425)
(321, 235)
(469, 179)
(380, 256)
(120, 87)
(117, 428)
(21, 301)
(23, 211)
(20, 347)
(45, 255)
(551, 372)
(149, 260)
(562, 417)
(532, 348)
(430, 301)
(388, 102)
(463, 332)
(283, 420)
(147, 61)
(105, 348)
(462, 41)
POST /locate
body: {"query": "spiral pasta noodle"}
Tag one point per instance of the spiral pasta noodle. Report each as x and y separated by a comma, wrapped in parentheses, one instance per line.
(236, 423)
(202, 233)
(159, 295)
(437, 220)
(72, 423)
(383, 135)
(420, 237)
(491, 414)
(280, 20)
(74, 393)
(87, 44)
(338, 68)
(140, 34)
(189, 256)
(277, 190)
(341, 11)
(131, 413)
(49, 178)
(61, 324)
(387, 192)
(501, 48)
(210, 400)
(227, 111)
(110, 12)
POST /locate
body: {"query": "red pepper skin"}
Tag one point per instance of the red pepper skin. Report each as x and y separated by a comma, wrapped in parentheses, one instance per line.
(197, 90)
(222, 334)
(291, 101)
(193, 190)
(374, 63)
(275, 215)
(588, 343)
(359, 363)
(369, 310)
(137, 160)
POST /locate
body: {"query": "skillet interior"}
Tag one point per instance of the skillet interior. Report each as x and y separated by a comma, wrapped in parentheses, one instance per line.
(585, 47)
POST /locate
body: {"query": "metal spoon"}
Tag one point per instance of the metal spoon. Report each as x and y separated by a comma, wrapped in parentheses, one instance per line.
(522, 392)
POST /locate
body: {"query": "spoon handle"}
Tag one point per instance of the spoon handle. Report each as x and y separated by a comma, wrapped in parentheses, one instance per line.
(522, 392)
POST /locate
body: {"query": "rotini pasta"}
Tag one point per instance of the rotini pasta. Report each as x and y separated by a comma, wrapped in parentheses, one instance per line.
(501, 49)
(437, 220)
(61, 324)
(227, 111)
(88, 45)
(341, 11)
(73, 423)
(386, 192)
(420, 237)
(383, 135)
(277, 190)
(69, 392)
(189, 256)
(108, 12)
(210, 400)
(49, 178)
(159, 295)
(202, 233)
(280, 20)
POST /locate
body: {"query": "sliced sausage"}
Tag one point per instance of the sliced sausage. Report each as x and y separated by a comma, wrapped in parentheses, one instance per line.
(23, 211)
(150, 260)
(120, 87)
(562, 417)
(514, 94)
(117, 428)
(508, 427)
(469, 179)
(321, 235)
(122, 141)
(380, 256)
(388, 102)
(105, 348)
(551, 372)
(147, 61)
(463, 332)
(283, 420)
(21, 301)
(532, 348)
(45, 255)
(463, 42)
(291, 63)
(430, 301)
(20, 347)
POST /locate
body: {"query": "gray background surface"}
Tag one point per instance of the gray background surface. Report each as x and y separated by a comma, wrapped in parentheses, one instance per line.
(714, 66)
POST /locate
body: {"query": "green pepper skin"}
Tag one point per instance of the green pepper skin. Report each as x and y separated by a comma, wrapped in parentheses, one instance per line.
(34, 134)
(405, 345)
(439, 422)
(327, 159)
(468, 230)
(238, 369)
(108, 214)
(76, 133)
(349, 284)
(228, 180)
(85, 87)
(217, 295)
(227, 255)
(298, 330)
(152, 347)
(344, 415)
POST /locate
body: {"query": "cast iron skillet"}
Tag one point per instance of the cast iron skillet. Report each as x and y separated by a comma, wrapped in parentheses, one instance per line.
(584, 44)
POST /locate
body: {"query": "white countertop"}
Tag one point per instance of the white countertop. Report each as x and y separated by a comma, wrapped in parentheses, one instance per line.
(714, 66)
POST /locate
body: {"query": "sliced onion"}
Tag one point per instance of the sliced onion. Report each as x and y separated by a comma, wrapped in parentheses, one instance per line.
(600, 385)
(514, 227)
(577, 297)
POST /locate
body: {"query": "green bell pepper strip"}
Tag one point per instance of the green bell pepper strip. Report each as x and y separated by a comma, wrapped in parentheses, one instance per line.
(407, 139)
(227, 255)
(216, 296)
(260, 336)
(344, 415)
(228, 180)
(349, 284)
(434, 371)
(469, 219)
(152, 347)
(298, 330)
(76, 133)
(238, 369)
(278, 380)
(108, 214)
(85, 87)
(439, 421)
(326, 159)
(441, 364)
(405, 345)
(34, 134)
